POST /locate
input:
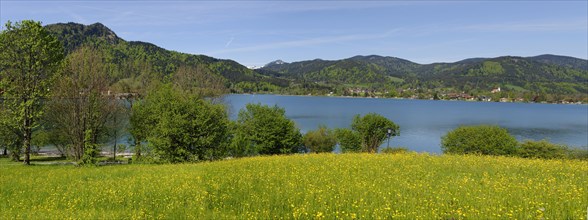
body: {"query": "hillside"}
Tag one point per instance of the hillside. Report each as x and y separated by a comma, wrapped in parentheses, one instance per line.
(311, 186)
(540, 78)
(541, 74)
(134, 59)
(358, 69)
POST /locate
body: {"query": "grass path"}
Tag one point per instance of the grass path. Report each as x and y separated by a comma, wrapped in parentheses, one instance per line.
(405, 186)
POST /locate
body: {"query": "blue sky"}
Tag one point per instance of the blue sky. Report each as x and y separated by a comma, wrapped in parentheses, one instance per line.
(254, 33)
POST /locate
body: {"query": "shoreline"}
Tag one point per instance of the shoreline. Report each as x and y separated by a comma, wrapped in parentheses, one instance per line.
(396, 98)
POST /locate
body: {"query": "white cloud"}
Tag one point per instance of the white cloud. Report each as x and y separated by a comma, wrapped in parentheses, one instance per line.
(229, 42)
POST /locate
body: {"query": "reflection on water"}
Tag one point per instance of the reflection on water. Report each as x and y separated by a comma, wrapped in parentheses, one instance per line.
(423, 122)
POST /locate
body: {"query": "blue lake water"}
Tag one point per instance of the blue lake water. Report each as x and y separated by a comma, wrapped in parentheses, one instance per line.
(423, 122)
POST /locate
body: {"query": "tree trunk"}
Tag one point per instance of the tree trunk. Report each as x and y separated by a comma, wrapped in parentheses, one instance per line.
(5, 151)
(27, 144)
(114, 152)
(138, 148)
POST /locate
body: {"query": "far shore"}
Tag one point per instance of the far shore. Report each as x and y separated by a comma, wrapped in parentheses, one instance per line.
(401, 98)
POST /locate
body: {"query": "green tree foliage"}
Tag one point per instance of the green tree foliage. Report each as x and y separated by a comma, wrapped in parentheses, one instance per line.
(542, 149)
(81, 105)
(349, 140)
(10, 140)
(261, 129)
(320, 140)
(29, 59)
(180, 127)
(372, 129)
(199, 81)
(481, 139)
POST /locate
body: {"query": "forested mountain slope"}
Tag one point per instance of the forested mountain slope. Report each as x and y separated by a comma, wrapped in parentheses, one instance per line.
(133, 61)
(545, 73)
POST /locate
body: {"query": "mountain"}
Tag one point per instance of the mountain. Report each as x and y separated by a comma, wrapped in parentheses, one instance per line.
(358, 69)
(132, 63)
(570, 62)
(73, 35)
(274, 63)
(545, 73)
(131, 60)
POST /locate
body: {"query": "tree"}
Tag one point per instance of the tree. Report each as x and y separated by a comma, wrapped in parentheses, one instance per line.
(348, 140)
(117, 124)
(321, 140)
(262, 129)
(373, 129)
(81, 106)
(480, 139)
(29, 59)
(180, 127)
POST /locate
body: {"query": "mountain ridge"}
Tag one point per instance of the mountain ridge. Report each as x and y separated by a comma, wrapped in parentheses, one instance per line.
(131, 60)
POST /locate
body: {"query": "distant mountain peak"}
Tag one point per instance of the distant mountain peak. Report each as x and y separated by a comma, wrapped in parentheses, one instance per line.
(274, 63)
(75, 34)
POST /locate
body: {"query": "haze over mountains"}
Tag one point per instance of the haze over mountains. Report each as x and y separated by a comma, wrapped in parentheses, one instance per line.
(131, 59)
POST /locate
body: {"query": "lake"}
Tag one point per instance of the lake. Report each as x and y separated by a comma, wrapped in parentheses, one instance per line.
(423, 122)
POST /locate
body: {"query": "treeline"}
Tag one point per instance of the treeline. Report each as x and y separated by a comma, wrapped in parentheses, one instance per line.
(172, 125)
(494, 140)
(545, 78)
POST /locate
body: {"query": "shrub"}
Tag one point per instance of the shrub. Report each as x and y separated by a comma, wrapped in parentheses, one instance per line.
(394, 150)
(481, 139)
(578, 153)
(348, 140)
(542, 149)
(321, 140)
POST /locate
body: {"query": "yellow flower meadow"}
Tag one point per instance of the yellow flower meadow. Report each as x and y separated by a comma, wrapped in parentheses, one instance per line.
(323, 186)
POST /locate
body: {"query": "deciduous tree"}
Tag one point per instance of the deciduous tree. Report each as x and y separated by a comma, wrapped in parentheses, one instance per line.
(29, 59)
(180, 127)
(81, 105)
(373, 129)
(266, 130)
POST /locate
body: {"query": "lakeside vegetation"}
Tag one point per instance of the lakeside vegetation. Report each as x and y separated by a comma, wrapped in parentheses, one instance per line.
(309, 186)
(63, 98)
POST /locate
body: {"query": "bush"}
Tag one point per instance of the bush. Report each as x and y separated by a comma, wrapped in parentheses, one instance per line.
(394, 150)
(542, 149)
(481, 139)
(321, 140)
(578, 153)
(349, 140)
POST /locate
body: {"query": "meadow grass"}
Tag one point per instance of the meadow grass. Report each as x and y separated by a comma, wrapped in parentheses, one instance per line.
(366, 186)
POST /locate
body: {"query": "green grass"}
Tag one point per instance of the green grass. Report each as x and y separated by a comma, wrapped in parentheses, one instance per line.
(516, 88)
(395, 79)
(406, 186)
